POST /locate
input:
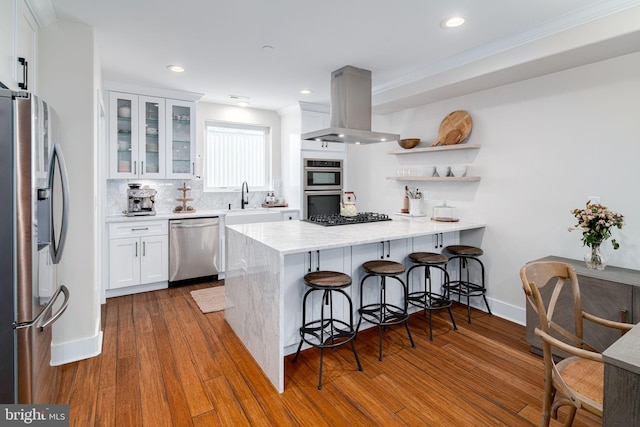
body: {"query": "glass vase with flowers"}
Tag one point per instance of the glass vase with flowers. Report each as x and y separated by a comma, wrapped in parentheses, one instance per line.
(596, 221)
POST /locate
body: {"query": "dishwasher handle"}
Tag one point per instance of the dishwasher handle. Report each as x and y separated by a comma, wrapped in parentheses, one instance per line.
(194, 225)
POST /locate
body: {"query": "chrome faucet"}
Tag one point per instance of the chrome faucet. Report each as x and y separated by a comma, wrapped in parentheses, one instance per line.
(244, 202)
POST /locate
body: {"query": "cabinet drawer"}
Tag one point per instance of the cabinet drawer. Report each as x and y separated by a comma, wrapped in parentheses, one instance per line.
(137, 228)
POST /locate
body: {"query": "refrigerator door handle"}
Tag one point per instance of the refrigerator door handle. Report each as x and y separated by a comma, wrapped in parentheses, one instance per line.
(57, 247)
(40, 322)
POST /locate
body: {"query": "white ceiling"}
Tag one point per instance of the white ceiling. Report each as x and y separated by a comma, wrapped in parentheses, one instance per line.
(220, 42)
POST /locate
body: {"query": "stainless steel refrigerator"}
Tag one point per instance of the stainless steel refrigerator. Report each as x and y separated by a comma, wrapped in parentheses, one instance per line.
(33, 225)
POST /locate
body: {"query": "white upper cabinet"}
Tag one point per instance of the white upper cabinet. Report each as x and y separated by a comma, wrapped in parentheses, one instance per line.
(123, 135)
(150, 137)
(181, 149)
(313, 120)
(18, 45)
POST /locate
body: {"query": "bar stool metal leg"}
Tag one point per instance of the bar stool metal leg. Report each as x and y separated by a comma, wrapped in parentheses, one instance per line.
(327, 332)
(463, 286)
(383, 313)
(427, 298)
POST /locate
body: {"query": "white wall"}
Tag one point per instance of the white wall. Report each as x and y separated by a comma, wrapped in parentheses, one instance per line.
(546, 144)
(68, 74)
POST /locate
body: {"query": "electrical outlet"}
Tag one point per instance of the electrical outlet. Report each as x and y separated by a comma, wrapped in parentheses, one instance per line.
(594, 199)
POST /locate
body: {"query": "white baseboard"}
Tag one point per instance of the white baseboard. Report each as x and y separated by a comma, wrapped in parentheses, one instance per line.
(502, 309)
(109, 293)
(72, 351)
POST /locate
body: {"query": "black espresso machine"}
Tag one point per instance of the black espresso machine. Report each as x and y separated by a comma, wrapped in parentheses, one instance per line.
(140, 201)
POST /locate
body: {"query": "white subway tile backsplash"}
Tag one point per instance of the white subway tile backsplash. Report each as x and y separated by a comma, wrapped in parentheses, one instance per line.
(167, 193)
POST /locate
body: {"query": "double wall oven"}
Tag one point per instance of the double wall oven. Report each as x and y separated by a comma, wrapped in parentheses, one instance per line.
(322, 186)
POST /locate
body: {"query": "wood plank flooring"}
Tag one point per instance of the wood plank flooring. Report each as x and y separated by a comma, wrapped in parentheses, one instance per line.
(164, 363)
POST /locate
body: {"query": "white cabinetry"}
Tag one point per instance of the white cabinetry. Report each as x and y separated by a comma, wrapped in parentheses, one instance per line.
(138, 253)
(313, 117)
(18, 44)
(290, 215)
(316, 117)
(181, 142)
(150, 137)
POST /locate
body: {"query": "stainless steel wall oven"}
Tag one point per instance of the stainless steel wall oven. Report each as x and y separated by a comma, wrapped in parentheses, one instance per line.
(322, 186)
(322, 174)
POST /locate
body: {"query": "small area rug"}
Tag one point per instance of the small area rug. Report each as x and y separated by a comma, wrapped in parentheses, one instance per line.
(209, 299)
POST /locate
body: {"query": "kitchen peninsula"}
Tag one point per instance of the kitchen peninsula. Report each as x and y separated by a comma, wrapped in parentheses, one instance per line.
(266, 263)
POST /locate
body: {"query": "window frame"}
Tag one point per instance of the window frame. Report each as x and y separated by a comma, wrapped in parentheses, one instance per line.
(238, 125)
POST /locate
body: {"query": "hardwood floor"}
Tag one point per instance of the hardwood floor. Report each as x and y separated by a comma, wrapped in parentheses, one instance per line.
(164, 363)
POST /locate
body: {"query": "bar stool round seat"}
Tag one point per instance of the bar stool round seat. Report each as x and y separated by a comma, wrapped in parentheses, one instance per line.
(382, 312)
(464, 254)
(328, 331)
(426, 298)
(327, 280)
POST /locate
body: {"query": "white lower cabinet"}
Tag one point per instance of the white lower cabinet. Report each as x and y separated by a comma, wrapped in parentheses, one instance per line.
(290, 215)
(138, 253)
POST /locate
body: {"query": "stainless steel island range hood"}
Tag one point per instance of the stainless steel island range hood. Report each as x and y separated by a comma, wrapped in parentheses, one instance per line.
(350, 110)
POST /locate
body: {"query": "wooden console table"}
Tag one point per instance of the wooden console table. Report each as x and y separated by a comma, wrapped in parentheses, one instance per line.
(622, 381)
(613, 293)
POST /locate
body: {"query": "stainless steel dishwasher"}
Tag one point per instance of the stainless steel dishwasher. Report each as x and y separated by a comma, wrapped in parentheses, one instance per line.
(194, 248)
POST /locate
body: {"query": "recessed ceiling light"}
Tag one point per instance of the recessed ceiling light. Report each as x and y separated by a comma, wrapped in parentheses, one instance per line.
(242, 101)
(306, 91)
(175, 68)
(453, 22)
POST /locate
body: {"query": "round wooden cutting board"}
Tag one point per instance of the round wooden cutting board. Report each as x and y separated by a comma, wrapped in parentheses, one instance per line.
(455, 122)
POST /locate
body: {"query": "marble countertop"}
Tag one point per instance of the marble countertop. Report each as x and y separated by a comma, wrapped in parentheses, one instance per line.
(625, 352)
(196, 214)
(289, 237)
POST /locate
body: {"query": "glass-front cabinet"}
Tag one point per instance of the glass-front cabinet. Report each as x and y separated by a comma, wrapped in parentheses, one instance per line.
(123, 135)
(152, 137)
(181, 150)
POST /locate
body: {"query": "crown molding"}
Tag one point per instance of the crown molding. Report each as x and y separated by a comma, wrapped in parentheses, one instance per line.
(527, 36)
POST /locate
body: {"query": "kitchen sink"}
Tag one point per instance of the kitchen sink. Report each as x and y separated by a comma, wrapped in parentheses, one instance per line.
(239, 211)
(251, 215)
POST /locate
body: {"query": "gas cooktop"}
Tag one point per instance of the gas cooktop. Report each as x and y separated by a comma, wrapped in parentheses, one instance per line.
(335, 219)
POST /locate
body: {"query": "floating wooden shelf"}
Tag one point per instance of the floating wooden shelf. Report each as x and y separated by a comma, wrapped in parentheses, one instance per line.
(436, 148)
(435, 178)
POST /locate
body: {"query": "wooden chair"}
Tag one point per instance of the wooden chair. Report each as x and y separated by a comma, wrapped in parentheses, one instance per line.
(579, 378)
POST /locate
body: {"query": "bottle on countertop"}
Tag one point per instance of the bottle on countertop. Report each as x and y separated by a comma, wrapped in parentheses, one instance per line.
(405, 201)
(270, 198)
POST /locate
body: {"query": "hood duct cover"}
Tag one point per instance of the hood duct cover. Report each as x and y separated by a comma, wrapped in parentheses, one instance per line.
(350, 110)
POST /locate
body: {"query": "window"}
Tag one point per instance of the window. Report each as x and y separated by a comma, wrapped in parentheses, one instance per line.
(235, 153)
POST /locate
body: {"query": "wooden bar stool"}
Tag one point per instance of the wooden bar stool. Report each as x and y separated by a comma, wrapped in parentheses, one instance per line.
(382, 313)
(426, 298)
(328, 331)
(464, 254)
